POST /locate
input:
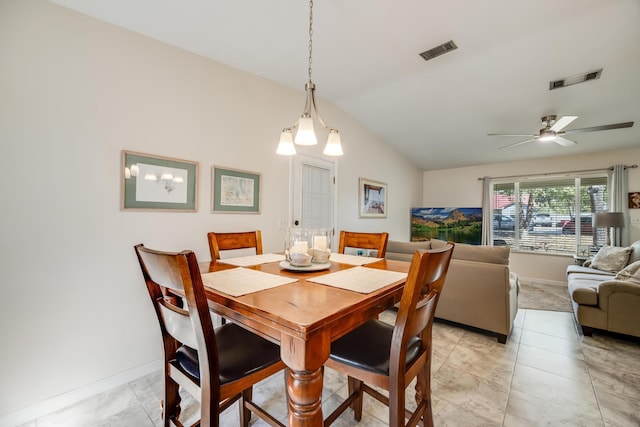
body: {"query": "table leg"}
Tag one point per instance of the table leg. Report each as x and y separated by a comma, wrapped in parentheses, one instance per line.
(305, 359)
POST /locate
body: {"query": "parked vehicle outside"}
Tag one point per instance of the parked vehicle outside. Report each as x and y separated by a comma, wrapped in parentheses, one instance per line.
(542, 220)
(503, 222)
(586, 225)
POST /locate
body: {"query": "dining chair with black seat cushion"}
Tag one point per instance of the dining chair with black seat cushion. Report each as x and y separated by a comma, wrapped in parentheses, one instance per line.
(217, 366)
(375, 241)
(230, 241)
(390, 356)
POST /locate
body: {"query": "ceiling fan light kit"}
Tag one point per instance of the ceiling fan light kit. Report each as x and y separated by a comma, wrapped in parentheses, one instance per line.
(552, 131)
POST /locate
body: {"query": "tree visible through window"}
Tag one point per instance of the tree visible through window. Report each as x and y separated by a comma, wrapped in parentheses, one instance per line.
(551, 215)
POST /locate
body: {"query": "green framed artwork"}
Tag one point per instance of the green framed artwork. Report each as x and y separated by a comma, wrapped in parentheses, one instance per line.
(235, 191)
(156, 183)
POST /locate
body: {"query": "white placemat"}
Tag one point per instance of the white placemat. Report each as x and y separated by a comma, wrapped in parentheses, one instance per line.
(352, 259)
(247, 261)
(360, 279)
(242, 281)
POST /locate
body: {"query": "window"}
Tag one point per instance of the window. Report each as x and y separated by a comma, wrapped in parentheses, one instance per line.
(551, 215)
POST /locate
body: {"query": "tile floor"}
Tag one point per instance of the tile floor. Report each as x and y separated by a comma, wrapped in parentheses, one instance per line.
(547, 374)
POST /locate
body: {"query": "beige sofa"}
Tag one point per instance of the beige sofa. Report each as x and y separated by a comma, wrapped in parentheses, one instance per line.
(606, 300)
(479, 291)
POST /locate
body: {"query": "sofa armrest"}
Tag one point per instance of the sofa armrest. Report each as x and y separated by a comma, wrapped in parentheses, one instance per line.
(608, 288)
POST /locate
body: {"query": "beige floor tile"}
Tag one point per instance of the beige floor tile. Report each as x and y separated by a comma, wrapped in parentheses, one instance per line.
(571, 348)
(554, 323)
(554, 363)
(617, 411)
(483, 397)
(525, 410)
(491, 361)
(455, 416)
(555, 388)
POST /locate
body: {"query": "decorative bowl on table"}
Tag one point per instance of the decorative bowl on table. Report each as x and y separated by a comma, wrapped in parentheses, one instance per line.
(320, 256)
(299, 259)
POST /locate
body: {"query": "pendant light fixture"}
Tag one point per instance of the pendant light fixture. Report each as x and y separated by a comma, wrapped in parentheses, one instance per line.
(305, 134)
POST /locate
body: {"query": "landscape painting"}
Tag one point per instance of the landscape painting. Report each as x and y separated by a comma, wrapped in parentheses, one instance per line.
(460, 225)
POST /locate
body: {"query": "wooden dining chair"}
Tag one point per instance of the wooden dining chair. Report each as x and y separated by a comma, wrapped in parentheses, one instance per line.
(216, 366)
(352, 239)
(390, 356)
(229, 241)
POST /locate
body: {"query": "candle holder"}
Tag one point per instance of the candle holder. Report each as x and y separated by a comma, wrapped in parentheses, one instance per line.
(321, 245)
(297, 243)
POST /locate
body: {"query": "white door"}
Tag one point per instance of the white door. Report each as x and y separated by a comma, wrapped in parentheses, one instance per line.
(313, 193)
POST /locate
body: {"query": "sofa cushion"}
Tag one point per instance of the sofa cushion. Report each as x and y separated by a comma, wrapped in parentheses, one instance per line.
(403, 251)
(611, 258)
(581, 269)
(407, 247)
(490, 254)
(635, 252)
(630, 273)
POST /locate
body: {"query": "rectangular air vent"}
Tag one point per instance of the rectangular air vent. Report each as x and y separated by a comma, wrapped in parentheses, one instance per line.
(439, 50)
(574, 80)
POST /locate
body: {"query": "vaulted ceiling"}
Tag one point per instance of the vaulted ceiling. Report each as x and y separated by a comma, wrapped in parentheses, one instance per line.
(438, 112)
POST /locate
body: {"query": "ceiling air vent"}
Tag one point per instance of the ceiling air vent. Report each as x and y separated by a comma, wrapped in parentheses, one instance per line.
(439, 50)
(574, 80)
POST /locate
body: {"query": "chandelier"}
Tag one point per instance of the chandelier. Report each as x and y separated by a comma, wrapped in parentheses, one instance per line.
(305, 134)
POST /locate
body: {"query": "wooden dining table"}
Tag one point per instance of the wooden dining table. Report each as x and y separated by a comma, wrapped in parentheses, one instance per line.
(304, 317)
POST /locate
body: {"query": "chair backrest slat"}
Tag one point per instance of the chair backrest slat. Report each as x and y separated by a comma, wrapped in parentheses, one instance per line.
(231, 241)
(376, 241)
(178, 325)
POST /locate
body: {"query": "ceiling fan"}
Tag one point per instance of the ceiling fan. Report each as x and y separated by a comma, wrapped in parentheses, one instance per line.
(552, 131)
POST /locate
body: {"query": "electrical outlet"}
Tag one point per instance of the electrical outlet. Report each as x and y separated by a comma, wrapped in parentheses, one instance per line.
(635, 220)
(282, 224)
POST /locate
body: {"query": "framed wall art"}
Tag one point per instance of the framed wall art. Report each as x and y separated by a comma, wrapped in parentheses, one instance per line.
(634, 200)
(235, 191)
(150, 182)
(373, 199)
(455, 224)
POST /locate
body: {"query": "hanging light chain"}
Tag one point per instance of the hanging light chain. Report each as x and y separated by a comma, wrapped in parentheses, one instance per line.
(310, 36)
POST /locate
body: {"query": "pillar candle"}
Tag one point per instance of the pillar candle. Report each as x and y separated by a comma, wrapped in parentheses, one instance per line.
(320, 242)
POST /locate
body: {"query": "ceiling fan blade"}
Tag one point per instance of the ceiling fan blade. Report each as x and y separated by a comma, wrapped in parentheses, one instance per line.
(517, 143)
(562, 122)
(599, 128)
(510, 134)
(564, 141)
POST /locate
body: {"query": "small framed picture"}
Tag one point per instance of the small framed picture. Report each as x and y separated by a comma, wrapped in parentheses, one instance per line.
(634, 200)
(156, 183)
(235, 191)
(373, 198)
(584, 250)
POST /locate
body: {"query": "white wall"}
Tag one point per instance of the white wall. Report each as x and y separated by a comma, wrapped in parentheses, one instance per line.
(461, 187)
(74, 93)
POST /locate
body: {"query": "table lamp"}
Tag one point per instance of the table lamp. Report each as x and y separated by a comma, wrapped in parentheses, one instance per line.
(608, 220)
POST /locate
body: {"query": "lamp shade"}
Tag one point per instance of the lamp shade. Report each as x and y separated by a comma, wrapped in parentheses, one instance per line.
(305, 134)
(285, 146)
(608, 220)
(333, 147)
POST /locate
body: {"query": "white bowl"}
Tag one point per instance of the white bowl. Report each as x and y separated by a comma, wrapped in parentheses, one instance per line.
(300, 259)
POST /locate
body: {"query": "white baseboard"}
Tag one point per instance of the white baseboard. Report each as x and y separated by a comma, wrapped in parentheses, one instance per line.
(543, 281)
(62, 401)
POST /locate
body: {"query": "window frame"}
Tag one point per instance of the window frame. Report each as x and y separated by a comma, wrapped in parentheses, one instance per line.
(525, 224)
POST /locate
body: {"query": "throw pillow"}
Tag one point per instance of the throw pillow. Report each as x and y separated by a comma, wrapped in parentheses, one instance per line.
(611, 258)
(631, 273)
